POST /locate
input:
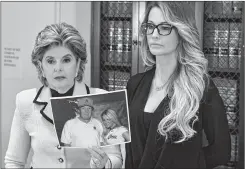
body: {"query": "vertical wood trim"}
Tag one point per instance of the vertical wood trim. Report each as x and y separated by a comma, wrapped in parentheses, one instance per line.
(1, 97)
(142, 8)
(242, 101)
(199, 15)
(57, 12)
(95, 44)
(135, 38)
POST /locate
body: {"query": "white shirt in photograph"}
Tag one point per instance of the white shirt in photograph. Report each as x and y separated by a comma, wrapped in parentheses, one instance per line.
(115, 136)
(80, 134)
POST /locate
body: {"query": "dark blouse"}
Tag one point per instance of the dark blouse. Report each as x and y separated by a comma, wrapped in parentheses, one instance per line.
(147, 120)
(148, 149)
(54, 93)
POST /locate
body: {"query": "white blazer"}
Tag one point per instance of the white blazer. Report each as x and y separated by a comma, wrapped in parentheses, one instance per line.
(32, 128)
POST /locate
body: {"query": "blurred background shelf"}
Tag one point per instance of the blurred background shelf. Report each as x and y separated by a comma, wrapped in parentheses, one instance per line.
(124, 66)
(109, 18)
(224, 70)
(227, 19)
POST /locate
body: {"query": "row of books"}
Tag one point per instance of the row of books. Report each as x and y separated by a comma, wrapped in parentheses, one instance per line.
(117, 9)
(117, 54)
(223, 61)
(116, 32)
(223, 34)
(115, 87)
(223, 9)
(115, 79)
(222, 44)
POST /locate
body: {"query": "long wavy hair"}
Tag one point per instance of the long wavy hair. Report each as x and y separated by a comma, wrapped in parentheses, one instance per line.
(111, 114)
(187, 84)
(60, 34)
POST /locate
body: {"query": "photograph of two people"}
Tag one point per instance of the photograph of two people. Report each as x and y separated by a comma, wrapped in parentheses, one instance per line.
(94, 120)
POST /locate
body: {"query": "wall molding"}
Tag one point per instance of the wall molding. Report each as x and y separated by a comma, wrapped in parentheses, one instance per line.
(57, 12)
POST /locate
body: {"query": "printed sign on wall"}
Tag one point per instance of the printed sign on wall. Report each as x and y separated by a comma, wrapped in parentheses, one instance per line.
(11, 63)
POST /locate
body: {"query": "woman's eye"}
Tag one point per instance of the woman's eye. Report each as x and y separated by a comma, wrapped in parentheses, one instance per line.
(67, 60)
(151, 26)
(50, 61)
(164, 27)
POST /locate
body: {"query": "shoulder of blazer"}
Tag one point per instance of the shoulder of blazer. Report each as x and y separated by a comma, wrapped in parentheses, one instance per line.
(210, 91)
(24, 99)
(134, 80)
(132, 85)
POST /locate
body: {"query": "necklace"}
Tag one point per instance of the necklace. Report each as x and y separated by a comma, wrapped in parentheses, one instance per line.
(158, 88)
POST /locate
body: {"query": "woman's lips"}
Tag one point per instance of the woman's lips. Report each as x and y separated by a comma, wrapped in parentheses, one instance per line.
(156, 45)
(59, 78)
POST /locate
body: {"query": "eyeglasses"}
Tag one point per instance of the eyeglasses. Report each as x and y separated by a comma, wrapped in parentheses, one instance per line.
(162, 28)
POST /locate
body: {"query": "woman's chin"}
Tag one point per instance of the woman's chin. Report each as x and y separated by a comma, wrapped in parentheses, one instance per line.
(61, 88)
(157, 52)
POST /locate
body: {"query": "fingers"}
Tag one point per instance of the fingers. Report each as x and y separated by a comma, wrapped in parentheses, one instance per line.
(94, 154)
(99, 151)
(99, 157)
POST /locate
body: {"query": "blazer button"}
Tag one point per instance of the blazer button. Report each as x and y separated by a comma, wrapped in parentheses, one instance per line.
(61, 160)
(58, 147)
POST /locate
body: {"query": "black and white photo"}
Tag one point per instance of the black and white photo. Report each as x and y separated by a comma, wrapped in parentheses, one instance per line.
(91, 120)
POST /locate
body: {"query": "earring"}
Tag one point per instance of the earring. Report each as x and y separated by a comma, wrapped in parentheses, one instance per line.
(76, 76)
(43, 74)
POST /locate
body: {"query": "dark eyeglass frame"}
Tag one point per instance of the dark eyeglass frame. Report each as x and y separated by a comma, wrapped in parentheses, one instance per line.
(155, 26)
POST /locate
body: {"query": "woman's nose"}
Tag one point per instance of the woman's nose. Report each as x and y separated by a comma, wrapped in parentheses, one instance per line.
(155, 33)
(58, 67)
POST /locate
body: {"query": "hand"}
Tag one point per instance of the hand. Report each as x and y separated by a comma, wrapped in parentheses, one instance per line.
(99, 157)
(103, 142)
(126, 136)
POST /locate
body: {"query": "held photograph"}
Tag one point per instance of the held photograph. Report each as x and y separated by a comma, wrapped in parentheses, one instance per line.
(91, 120)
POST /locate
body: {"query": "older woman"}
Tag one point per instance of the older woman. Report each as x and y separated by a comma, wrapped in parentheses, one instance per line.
(174, 100)
(59, 55)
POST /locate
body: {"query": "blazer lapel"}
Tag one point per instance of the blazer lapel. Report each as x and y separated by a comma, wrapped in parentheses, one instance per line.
(43, 98)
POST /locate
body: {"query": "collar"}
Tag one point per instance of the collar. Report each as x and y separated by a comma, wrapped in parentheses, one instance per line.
(43, 96)
(90, 121)
(54, 93)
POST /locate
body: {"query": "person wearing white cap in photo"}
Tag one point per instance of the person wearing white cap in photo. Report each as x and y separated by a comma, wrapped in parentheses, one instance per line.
(82, 131)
